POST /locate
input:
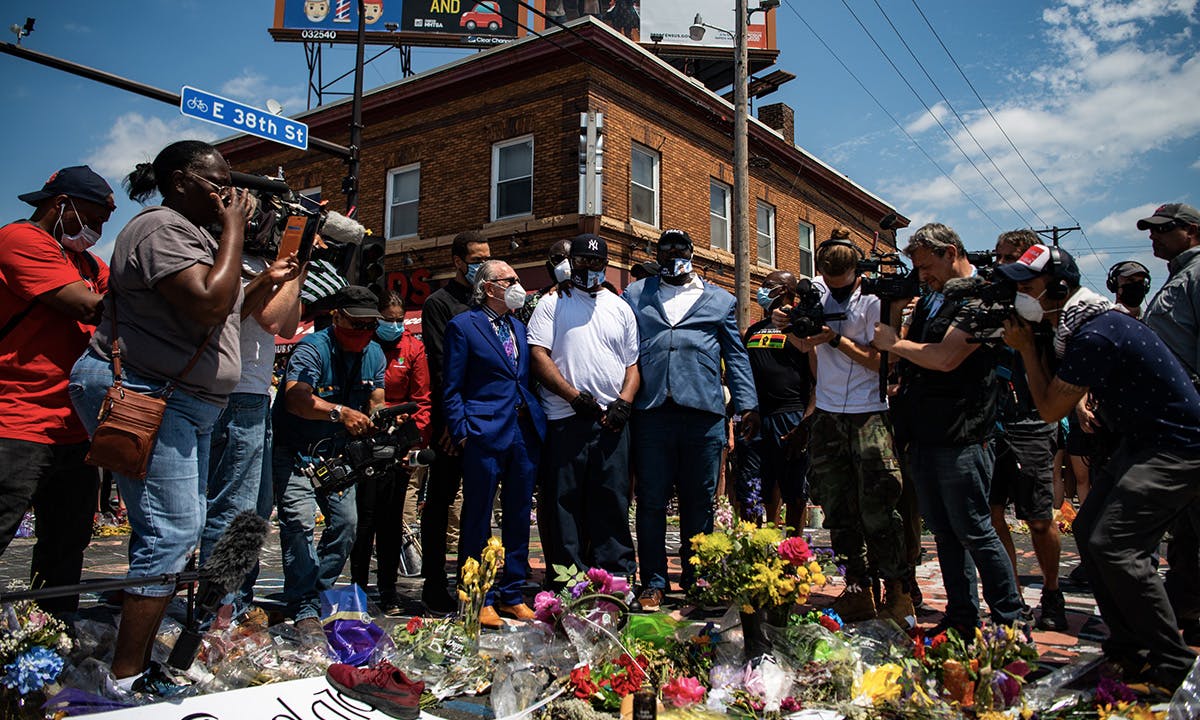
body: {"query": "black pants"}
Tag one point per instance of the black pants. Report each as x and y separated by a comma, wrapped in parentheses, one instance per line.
(1183, 568)
(445, 478)
(63, 491)
(380, 501)
(584, 496)
(1131, 505)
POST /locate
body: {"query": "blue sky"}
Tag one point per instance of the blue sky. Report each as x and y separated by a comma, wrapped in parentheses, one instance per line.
(1098, 96)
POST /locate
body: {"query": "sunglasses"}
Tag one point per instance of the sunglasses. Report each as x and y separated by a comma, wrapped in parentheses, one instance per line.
(1166, 227)
(506, 282)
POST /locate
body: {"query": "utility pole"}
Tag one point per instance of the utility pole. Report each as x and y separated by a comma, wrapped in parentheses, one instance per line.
(741, 169)
(350, 184)
(1054, 233)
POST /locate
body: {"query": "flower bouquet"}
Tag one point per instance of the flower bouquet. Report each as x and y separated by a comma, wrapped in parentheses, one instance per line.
(33, 644)
(590, 609)
(474, 581)
(987, 673)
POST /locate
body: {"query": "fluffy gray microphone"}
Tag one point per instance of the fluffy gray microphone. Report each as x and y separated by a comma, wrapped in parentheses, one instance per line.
(963, 287)
(341, 229)
(234, 555)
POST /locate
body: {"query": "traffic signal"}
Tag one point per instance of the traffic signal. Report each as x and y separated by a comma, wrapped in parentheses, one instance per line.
(371, 272)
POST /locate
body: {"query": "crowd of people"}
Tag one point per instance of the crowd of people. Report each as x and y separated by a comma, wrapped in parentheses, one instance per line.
(594, 400)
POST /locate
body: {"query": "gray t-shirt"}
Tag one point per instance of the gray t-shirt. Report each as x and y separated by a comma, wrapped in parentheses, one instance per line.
(157, 341)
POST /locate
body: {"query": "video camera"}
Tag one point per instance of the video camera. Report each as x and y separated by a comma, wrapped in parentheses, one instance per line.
(285, 222)
(808, 315)
(898, 284)
(994, 303)
(366, 456)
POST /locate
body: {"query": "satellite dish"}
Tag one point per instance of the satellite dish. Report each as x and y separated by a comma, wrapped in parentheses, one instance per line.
(274, 107)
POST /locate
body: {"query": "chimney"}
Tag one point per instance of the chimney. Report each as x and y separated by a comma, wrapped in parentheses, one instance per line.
(780, 117)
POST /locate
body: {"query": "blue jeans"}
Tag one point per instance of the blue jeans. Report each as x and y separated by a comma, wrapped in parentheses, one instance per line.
(952, 487)
(309, 570)
(166, 510)
(680, 448)
(239, 469)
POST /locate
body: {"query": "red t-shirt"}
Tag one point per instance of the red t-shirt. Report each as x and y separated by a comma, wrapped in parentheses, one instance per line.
(36, 356)
(406, 378)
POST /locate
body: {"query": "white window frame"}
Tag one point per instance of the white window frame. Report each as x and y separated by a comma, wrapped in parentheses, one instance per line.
(656, 163)
(387, 219)
(769, 235)
(726, 242)
(496, 148)
(807, 253)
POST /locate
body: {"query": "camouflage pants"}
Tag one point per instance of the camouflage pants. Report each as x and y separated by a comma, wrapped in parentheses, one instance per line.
(855, 477)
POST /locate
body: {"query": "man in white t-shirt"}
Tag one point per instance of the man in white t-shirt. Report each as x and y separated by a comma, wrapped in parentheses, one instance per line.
(584, 351)
(855, 474)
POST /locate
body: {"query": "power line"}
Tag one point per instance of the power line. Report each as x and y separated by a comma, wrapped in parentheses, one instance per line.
(930, 111)
(962, 122)
(891, 116)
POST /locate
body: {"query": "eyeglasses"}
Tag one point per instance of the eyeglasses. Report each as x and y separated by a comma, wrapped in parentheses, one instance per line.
(589, 262)
(506, 282)
(223, 191)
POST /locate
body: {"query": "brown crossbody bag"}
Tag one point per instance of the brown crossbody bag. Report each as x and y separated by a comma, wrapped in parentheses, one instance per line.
(129, 420)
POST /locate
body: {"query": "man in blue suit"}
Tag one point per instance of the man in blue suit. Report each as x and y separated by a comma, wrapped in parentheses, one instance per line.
(495, 418)
(686, 327)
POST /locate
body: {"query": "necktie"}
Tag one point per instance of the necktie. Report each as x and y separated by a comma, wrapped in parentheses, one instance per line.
(504, 332)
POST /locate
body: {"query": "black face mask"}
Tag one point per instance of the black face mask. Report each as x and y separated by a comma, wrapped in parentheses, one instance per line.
(842, 294)
(1132, 295)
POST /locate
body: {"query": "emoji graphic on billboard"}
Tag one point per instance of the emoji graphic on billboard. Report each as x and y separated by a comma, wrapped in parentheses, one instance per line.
(342, 13)
(316, 10)
(374, 10)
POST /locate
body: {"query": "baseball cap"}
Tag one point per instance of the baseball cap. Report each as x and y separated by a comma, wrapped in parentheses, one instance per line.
(1169, 212)
(1039, 260)
(1125, 268)
(78, 181)
(589, 245)
(674, 237)
(356, 301)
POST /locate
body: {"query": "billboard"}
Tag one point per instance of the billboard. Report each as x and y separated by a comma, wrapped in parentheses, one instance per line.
(471, 21)
(640, 19)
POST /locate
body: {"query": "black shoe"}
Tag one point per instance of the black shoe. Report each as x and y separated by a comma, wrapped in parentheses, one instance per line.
(437, 601)
(1026, 615)
(1077, 581)
(1054, 611)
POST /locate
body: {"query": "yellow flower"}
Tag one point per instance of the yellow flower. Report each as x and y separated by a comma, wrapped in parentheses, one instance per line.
(463, 597)
(748, 609)
(804, 589)
(766, 537)
(814, 567)
(470, 572)
(818, 580)
(880, 684)
(493, 553)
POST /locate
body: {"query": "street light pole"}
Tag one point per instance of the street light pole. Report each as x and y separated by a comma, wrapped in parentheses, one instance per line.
(350, 185)
(741, 169)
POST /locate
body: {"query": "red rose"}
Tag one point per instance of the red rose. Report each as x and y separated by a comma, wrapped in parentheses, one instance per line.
(581, 680)
(414, 624)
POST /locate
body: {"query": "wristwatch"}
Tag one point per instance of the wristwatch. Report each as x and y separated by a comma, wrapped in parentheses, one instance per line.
(335, 415)
(835, 340)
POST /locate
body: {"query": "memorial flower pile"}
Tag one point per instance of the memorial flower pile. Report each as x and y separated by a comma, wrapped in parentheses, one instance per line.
(753, 567)
(33, 644)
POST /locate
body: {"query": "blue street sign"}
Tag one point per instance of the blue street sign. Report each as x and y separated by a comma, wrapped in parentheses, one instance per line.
(243, 118)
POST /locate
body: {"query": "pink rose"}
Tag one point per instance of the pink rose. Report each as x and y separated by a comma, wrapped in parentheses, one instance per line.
(683, 692)
(795, 550)
(600, 578)
(547, 606)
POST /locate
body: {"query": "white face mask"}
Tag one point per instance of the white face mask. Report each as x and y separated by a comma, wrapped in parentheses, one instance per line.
(80, 241)
(514, 297)
(1029, 307)
(562, 271)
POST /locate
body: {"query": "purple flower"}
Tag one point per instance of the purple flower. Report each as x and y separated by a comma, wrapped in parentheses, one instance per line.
(1111, 692)
(547, 606)
(601, 578)
(579, 588)
(1007, 687)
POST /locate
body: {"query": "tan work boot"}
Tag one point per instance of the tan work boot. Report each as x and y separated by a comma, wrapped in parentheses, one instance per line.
(897, 604)
(855, 604)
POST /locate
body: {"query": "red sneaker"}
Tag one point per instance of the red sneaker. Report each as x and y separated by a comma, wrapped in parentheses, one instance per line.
(383, 687)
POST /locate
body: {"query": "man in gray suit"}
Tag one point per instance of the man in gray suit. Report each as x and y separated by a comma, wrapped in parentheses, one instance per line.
(686, 327)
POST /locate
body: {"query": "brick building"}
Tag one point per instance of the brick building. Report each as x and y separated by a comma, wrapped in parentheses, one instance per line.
(492, 142)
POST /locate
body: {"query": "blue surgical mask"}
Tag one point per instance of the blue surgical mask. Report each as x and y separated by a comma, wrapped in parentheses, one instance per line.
(472, 268)
(390, 331)
(764, 298)
(680, 266)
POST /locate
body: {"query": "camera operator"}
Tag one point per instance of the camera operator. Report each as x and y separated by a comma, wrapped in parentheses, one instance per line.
(1143, 393)
(334, 378)
(1024, 470)
(51, 289)
(855, 472)
(382, 498)
(947, 405)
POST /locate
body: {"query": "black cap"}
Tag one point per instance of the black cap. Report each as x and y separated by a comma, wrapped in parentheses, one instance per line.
(645, 269)
(589, 245)
(356, 301)
(674, 237)
(79, 181)
(1168, 213)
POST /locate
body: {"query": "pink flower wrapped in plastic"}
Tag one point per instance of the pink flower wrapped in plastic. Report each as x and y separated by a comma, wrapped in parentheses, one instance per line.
(547, 607)
(603, 582)
(683, 692)
(795, 550)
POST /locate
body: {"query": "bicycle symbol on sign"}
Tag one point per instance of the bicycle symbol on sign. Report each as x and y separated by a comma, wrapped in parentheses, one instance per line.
(195, 103)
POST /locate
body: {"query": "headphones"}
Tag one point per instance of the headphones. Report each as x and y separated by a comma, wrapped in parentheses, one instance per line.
(1058, 288)
(1114, 275)
(834, 242)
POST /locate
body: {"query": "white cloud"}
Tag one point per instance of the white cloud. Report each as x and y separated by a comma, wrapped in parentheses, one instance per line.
(1196, 165)
(1122, 224)
(254, 89)
(135, 138)
(927, 119)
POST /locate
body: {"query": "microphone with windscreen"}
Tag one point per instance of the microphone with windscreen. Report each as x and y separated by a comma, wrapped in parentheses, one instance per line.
(233, 557)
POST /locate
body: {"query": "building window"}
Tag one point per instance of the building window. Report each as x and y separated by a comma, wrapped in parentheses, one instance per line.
(765, 226)
(806, 249)
(403, 199)
(718, 215)
(512, 178)
(643, 188)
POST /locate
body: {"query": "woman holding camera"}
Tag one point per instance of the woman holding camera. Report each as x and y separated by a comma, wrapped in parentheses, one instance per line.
(382, 498)
(173, 303)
